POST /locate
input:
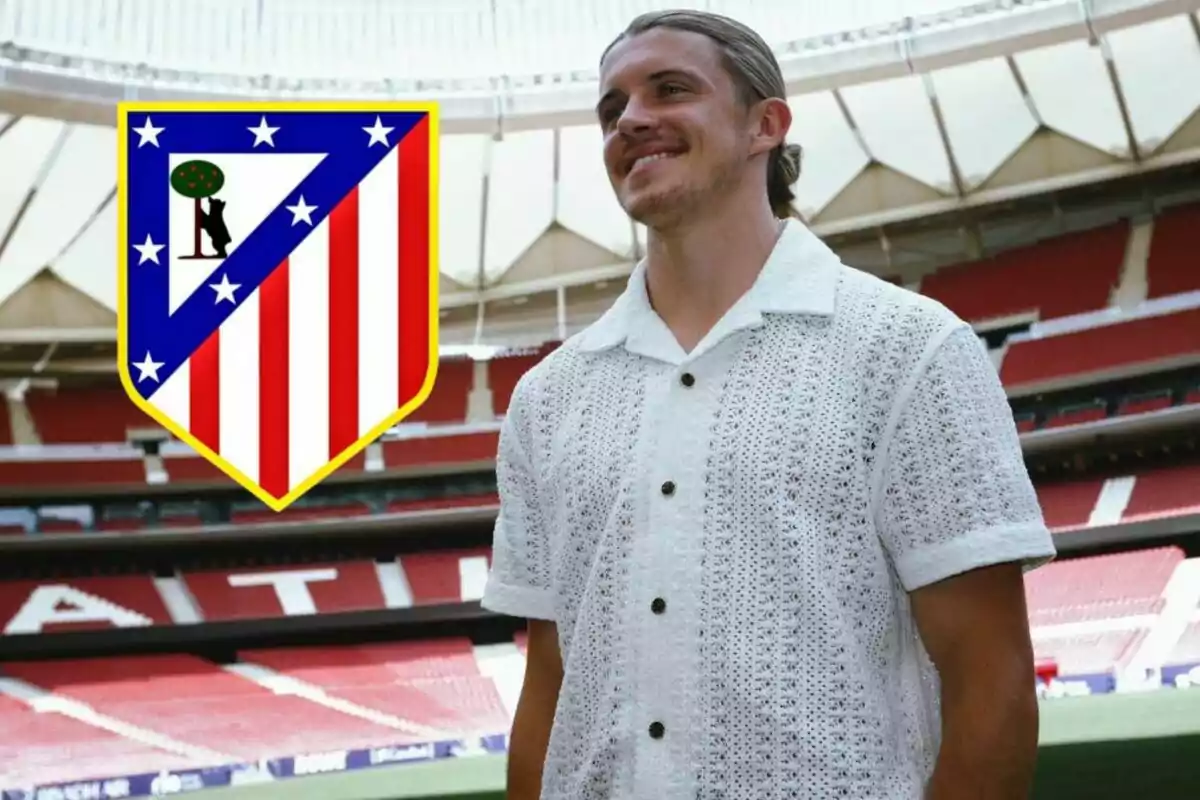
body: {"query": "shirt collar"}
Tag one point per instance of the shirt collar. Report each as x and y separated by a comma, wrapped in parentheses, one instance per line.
(799, 277)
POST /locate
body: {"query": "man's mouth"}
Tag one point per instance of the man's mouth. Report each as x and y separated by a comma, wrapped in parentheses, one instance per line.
(651, 158)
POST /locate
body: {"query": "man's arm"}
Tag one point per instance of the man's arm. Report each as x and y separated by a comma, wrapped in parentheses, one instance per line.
(976, 631)
(534, 716)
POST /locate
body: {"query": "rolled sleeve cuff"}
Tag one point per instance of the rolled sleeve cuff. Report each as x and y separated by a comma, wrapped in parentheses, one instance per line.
(1030, 544)
(518, 601)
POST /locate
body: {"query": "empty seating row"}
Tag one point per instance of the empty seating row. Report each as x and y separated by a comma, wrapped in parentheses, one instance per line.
(444, 448)
(177, 711)
(1100, 587)
(1157, 342)
(105, 414)
(44, 747)
(1101, 408)
(1173, 266)
(1091, 617)
(1152, 494)
(435, 450)
(36, 606)
(94, 718)
(1067, 505)
(1109, 351)
(1058, 277)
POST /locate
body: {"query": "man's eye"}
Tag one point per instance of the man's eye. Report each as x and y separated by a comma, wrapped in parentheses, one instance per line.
(672, 88)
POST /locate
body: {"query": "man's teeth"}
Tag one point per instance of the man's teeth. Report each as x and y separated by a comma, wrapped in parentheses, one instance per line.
(655, 157)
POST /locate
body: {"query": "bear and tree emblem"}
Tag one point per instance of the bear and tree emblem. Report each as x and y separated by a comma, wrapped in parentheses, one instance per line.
(200, 180)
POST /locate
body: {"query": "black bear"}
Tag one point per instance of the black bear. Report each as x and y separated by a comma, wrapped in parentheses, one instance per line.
(212, 222)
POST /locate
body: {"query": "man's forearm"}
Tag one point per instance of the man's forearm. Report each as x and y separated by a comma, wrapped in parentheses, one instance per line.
(527, 745)
(989, 743)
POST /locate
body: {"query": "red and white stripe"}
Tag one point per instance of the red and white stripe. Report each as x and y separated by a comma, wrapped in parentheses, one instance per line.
(330, 346)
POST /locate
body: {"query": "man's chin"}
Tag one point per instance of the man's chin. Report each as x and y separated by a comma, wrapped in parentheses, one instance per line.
(654, 209)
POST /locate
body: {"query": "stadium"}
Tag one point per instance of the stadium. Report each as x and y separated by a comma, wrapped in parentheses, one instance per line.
(1032, 164)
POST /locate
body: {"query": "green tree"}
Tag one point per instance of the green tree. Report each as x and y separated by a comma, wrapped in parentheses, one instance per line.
(197, 179)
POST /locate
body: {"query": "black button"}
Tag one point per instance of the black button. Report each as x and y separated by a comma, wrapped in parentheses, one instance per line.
(658, 606)
(668, 488)
(687, 379)
(657, 730)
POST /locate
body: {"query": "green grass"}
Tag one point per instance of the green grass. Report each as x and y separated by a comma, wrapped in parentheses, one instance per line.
(1092, 748)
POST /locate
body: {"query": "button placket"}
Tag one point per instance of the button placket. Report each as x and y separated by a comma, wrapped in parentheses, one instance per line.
(667, 518)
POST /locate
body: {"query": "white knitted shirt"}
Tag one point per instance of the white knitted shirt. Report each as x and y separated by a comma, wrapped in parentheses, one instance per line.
(725, 537)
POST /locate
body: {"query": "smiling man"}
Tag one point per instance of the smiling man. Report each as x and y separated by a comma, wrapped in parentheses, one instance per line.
(768, 516)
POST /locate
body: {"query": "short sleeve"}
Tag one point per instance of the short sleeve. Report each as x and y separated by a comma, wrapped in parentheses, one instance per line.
(519, 583)
(953, 493)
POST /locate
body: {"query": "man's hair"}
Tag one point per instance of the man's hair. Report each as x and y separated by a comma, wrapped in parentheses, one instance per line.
(756, 76)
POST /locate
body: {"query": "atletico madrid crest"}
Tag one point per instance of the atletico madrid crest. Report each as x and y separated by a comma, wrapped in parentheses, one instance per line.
(277, 279)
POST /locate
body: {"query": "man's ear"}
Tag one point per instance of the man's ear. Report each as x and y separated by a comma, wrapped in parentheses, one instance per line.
(773, 118)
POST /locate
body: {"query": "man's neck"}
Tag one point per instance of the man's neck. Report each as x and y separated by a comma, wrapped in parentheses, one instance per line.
(695, 273)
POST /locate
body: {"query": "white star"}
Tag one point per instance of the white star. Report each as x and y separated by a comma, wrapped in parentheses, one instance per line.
(148, 368)
(378, 133)
(149, 133)
(300, 211)
(225, 289)
(263, 133)
(149, 250)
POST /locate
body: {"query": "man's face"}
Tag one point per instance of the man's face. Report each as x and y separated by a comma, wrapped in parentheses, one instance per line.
(675, 134)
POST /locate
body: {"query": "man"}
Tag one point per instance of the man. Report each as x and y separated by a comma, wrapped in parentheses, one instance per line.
(768, 516)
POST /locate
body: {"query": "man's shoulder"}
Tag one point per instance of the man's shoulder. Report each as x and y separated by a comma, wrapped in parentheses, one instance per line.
(891, 333)
(536, 385)
(869, 299)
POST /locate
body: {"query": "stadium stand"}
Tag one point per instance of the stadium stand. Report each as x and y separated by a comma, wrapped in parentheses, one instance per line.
(80, 416)
(1173, 266)
(1068, 504)
(451, 392)
(41, 745)
(1164, 492)
(1104, 351)
(1089, 616)
(434, 683)
(1058, 277)
(6, 436)
(241, 718)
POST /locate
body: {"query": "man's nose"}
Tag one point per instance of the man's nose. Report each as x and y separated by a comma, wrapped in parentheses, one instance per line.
(635, 118)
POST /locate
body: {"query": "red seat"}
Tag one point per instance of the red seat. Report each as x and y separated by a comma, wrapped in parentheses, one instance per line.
(1100, 587)
(1068, 504)
(456, 501)
(49, 747)
(1144, 404)
(1168, 492)
(1174, 264)
(448, 401)
(434, 683)
(1109, 348)
(197, 703)
(1058, 277)
(269, 592)
(301, 513)
(70, 416)
(1078, 414)
(429, 450)
(83, 472)
(6, 436)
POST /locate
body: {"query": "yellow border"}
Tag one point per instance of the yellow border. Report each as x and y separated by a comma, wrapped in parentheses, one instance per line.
(123, 367)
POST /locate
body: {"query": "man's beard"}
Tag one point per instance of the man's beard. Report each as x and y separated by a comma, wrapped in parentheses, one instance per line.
(670, 208)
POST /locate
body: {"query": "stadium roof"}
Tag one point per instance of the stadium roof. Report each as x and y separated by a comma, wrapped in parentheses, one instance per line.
(905, 108)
